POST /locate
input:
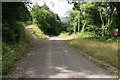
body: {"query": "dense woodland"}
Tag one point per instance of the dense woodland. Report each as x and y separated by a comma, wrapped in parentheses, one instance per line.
(97, 19)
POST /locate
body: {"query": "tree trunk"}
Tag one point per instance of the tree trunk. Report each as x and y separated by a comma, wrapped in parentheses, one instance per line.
(84, 26)
(103, 25)
(79, 22)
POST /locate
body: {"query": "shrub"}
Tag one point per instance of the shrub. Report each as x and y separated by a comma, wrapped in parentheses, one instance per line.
(14, 32)
(63, 34)
(7, 33)
(15, 42)
(38, 32)
(11, 53)
(20, 31)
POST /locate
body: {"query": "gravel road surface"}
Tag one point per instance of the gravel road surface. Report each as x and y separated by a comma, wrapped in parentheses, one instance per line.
(54, 59)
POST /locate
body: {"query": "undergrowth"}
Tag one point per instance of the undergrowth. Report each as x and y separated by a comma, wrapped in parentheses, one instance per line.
(13, 52)
(38, 32)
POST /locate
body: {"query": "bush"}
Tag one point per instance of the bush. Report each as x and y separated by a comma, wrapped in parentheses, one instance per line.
(63, 34)
(7, 33)
(38, 32)
(12, 53)
(14, 32)
(20, 31)
(7, 60)
(15, 42)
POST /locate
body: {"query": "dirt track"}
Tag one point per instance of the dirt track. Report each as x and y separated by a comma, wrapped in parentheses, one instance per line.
(54, 59)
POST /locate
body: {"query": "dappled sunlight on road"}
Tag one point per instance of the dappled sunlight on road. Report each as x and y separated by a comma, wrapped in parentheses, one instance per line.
(63, 72)
(69, 73)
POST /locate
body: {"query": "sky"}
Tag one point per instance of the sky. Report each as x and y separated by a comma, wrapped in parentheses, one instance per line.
(57, 6)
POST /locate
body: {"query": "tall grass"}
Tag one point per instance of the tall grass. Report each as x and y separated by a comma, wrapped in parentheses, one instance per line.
(13, 52)
(38, 32)
(107, 52)
(97, 48)
(66, 36)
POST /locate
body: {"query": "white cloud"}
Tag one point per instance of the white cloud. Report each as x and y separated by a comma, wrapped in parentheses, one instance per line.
(60, 6)
(57, 6)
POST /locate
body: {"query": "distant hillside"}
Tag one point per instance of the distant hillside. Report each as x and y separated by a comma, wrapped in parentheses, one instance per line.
(64, 19)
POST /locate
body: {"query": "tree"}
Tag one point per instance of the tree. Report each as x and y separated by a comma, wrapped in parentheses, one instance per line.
(73, 20)
(99, 17)
(47, 21)
(14, 14)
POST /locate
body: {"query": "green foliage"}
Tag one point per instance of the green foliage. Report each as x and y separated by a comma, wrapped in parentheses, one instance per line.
(14, 33)
(11, 53)
(15, 11)
(99, 18)
(8, 35)
(38, 32)
(14, 14)
(63, 34)
(87, 6)
(20, 31)
(15, 40)
(46, 20)
(73, 20)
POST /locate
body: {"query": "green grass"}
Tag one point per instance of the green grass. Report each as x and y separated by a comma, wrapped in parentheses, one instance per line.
(38, 32)
(100, 50)
(107, 52)
(12, 53)
(88, 35)
(66, 36)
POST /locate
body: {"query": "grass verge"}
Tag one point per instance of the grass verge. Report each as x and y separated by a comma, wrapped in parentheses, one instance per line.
(102, 50)
(12, 53)
(36, 30)
(107, 52)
